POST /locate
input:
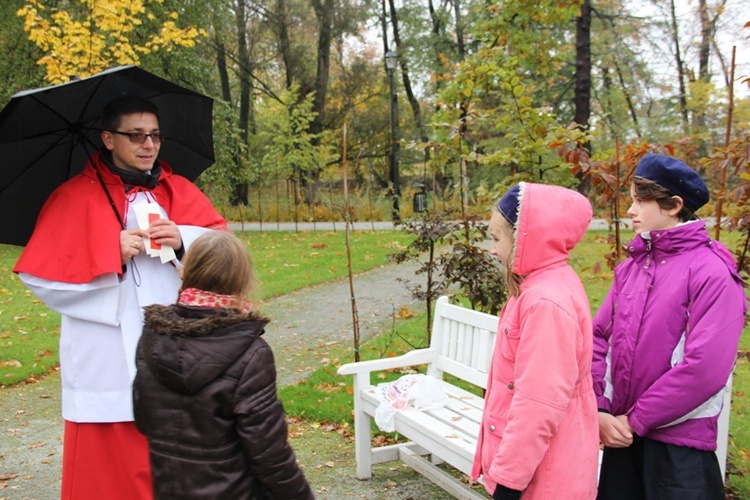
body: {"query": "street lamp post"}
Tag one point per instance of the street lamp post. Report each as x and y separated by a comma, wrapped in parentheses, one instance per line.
(391, 62)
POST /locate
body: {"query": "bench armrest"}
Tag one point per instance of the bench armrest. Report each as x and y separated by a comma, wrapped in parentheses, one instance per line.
(418, 357)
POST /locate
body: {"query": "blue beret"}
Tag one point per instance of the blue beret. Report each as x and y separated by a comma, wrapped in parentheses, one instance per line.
(508, 204)
(674, 175)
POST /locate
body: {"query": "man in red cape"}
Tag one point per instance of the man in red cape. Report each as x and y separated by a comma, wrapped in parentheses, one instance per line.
(87, 260)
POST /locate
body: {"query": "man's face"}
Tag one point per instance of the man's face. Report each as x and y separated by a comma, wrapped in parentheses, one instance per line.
(129, 155)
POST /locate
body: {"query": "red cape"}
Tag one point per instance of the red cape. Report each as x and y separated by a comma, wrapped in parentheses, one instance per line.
(76, 237)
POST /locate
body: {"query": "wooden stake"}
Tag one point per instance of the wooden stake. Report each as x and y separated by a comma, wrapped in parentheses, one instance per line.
(723, 184)
(347, 219)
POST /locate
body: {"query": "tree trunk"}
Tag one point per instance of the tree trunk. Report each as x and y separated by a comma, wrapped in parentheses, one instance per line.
(628, 100)
(459, 30)
(243, 55)
(722, 62)
(436, 30)
(221, 62)
(705, 46)
(704, 49)
(680, 70)
(285, 46)
(582, 98)
(708, 29)
(324, 10)
(413, 102)
(438, 27)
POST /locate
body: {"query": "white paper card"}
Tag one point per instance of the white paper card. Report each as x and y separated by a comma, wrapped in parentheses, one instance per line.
(145, 212)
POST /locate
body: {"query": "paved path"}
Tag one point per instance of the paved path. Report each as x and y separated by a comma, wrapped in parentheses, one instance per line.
(369, 226)
(304, 326)
(307, 323)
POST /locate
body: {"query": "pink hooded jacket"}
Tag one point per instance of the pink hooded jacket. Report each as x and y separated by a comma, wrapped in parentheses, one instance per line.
(540, 429)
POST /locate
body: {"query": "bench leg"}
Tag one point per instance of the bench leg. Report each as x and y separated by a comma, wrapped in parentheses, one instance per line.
(362, 432)
(438, 476)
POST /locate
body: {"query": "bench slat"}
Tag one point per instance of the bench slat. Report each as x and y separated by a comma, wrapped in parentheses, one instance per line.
(462, 344)
(449, 432)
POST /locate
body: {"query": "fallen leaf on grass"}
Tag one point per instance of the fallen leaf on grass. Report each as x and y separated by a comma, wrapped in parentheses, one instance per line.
(406, 313)
(382, 441)
(37, 445)
(407, 371)
(329, 388)
(8, 477)
(14, 363)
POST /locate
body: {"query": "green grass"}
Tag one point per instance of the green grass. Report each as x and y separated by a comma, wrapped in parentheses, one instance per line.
(29, 332)
(325, 396)
(284, 262)
(288, 261)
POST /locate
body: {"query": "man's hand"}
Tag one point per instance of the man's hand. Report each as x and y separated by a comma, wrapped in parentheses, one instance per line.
(165, 232)
(131, 243)
(615, 432)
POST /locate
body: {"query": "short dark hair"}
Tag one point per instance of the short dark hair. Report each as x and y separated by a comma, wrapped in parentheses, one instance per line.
(125, 105)
(649, 190)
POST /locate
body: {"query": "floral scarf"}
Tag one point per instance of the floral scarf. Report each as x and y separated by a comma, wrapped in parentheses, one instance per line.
(202, 298)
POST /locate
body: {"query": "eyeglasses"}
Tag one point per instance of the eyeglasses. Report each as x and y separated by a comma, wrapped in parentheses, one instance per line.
(140, 137)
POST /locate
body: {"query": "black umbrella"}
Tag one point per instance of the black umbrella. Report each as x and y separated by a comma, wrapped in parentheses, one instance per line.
(47, 134)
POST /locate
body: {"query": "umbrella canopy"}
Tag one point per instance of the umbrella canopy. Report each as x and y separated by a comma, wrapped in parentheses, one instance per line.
(48, 134)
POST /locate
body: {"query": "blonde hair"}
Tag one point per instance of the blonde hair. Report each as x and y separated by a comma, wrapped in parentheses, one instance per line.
(512, 280)
(218, 262)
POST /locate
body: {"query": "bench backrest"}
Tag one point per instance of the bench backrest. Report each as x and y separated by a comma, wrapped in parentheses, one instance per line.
(464, 340)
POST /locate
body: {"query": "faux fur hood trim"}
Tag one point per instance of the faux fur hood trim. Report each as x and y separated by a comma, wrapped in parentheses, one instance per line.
(186, 347)
(193, 321)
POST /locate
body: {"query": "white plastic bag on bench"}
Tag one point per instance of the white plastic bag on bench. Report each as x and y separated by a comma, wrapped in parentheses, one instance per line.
(422, 391)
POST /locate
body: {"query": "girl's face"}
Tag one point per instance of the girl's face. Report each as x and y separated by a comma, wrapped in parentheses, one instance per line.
(502, 237)
(647, 215)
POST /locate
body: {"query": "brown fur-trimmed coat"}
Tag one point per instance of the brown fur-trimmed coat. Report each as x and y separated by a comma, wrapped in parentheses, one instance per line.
(205, 397)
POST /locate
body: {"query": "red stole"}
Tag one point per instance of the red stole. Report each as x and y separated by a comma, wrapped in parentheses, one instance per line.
(77, 235)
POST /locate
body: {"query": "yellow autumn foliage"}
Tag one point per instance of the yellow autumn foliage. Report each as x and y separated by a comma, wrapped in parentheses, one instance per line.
(103, 38)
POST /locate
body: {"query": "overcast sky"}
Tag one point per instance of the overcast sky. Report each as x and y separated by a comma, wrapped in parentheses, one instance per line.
(730, 32)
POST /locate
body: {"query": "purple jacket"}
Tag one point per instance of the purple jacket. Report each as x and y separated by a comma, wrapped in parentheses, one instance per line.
(665, 338)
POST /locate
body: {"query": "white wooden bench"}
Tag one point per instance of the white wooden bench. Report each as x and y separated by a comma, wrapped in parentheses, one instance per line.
(462, 344)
